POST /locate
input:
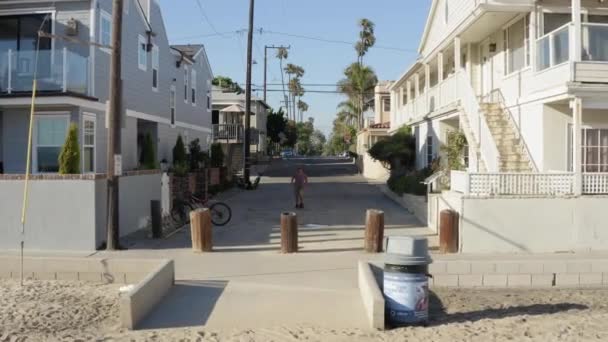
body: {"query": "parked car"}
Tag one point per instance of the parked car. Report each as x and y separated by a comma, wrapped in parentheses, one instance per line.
(287, 154)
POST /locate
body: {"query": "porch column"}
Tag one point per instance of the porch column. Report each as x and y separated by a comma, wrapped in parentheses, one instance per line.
(417, 84)
(576, 53)
(427, 76)
(408, 90)
(401, 97)
(532, 34)
(440, 67)
(457, 55)
(469, 65)
(577, 158)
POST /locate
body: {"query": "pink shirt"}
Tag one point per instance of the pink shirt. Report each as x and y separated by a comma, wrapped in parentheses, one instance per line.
(299, 179)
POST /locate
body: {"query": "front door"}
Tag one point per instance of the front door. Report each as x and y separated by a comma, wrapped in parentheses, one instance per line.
(486, 68)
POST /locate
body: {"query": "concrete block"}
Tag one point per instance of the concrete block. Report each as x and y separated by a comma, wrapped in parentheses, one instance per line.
(138, 302)
(516, 280)
(554, 267)
(605, 278)
(372, 297)
(600, 266)
(483, 267)
(459, 267)
(590, 279)
(532, 267)
(470, 280)
(542, 280)
(70, 276)
(446, 280)
(567, 279)
(495, 280)
(578, 267)
(507, 267)
(438, 267)
(93, 277)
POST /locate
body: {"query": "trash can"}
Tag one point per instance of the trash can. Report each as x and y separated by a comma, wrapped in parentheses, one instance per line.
(406, 286)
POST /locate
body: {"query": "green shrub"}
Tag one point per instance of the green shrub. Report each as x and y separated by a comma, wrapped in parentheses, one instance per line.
(196, 155)
(179, 152)
(217, 155)
(397, 152)
(69, 158)
(148, 153)
(410, 183)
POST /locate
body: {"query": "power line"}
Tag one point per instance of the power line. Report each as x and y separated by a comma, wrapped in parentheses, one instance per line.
(200, 7)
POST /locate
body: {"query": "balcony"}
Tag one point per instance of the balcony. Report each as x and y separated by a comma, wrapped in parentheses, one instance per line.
(233, 133)
(59, 71)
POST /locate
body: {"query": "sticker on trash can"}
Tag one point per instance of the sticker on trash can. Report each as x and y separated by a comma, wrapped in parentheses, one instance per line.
(407, 297)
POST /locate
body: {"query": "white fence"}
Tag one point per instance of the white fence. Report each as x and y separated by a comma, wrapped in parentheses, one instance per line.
(527, 184)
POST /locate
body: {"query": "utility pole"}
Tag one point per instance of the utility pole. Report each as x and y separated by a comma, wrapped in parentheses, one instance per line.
(266, 47)
(247, 147)
(114, 157)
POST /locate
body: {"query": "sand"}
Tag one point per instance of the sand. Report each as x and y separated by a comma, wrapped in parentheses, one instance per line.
(73, 311)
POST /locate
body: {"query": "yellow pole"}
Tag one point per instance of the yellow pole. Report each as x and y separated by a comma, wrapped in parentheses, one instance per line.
(27, 172)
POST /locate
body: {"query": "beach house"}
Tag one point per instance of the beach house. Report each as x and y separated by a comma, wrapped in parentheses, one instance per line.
(526, 83)
(166, 93)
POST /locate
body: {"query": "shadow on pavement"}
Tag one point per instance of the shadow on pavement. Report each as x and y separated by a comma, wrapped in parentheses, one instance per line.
(189, 304)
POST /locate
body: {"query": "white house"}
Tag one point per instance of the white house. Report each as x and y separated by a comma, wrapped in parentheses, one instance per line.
(526, 82)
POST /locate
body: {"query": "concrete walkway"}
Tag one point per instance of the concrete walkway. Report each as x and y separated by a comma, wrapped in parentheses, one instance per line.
(248, 283)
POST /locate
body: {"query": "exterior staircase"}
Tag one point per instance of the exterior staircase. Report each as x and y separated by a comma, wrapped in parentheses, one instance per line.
(513, 154)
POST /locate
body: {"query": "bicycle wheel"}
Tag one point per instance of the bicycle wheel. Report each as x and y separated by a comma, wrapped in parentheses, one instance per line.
(179, 213)
(220, 214)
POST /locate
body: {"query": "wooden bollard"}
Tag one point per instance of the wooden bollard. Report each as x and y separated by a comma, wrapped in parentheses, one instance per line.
(448, 231)
(156, 216)
(374, 231)
(289, 233)
(200, 224)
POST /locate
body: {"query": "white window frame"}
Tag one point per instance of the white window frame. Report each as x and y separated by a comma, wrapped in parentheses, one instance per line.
(103, 15)
(91, 118)
(429, 150)
(193, 87)
(527, 42)
(155, 67)
(172, 105)
(35, 144)
(142, 41)
(186, 84)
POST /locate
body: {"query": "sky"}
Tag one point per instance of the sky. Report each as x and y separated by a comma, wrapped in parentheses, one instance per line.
(399, 25)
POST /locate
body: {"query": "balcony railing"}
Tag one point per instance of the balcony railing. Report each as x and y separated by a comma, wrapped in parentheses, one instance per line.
(553, 48)
(595, 42)
(228, 132)
(58, 71)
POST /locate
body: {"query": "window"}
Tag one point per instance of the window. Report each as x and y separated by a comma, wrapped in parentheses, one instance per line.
(386, 104)
(51, 131)
(208, 100)
(594, 148)
(172, 105)
(186, 85)
(404, 99)
(155, 65)
(553, 21)
(516, 46)
(105, 29)
(193, 90)
(429, 151)
(88, 143)
(142, 53)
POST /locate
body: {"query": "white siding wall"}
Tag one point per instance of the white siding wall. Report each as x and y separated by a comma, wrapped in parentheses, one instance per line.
(458, 11)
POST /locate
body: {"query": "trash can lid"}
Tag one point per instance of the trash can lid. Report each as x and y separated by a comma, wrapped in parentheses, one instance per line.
(406, 250)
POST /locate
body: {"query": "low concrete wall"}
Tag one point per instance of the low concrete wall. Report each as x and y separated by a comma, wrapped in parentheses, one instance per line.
(529, 225)
(416, 205)
(371, 295)
(371, 168)
(136, 304)
(61, 214)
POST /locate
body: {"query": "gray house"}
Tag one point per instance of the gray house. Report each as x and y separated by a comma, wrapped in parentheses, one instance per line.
(166, 93)
(166, 88)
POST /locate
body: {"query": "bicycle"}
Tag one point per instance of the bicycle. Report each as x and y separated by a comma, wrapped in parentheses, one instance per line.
(220, 211)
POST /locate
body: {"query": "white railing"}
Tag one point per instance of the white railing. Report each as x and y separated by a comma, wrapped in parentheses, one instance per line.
(479, 126)
(594, 41)
(514, 184)
(553, 48)
(228, 132)
(448, 90)
(595, 183)
(58, 71)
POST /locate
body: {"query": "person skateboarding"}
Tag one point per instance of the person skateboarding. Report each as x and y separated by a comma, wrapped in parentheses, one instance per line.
(299, 180)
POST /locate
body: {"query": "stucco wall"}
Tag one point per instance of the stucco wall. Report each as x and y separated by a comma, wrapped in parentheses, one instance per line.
(533, 225)
(60, 216)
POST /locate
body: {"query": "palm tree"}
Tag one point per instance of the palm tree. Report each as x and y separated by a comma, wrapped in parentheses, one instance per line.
(367, 38)
(302, 107)
(281, 55)
(359, 85)
(347, 112)
(295, 87)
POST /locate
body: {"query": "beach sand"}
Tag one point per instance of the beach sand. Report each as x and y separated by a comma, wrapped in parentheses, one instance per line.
(75, 311)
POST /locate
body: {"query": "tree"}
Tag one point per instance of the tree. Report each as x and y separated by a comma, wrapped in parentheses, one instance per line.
(196, 154)
(318, 142)
(358, 85)
(217, 155)
(275, 125)
(226, 83)
(69, 158)
(179, 152)
(397, 153)
(295, 86)
(367, 39)
(302, 107)
(291, 134)
(148, 155)
(281, 55)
